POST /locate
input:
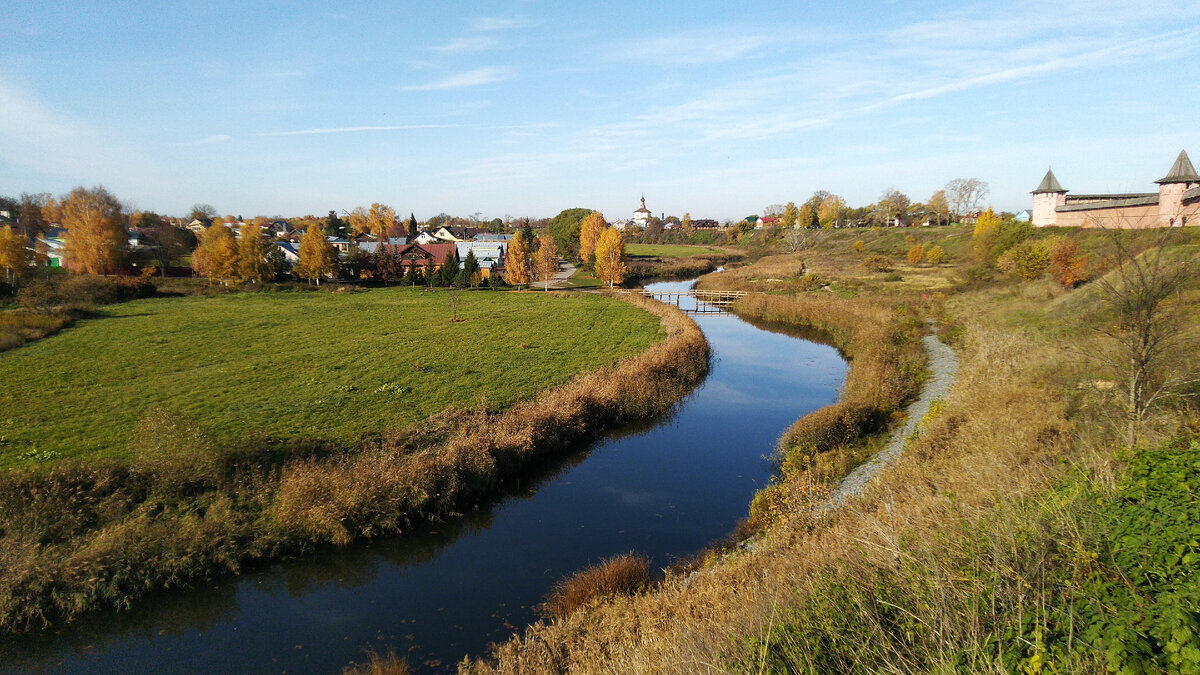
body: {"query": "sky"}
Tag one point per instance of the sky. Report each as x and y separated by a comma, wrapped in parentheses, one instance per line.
(525, 108)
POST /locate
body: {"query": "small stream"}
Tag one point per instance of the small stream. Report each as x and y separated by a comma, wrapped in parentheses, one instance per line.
(664, 490)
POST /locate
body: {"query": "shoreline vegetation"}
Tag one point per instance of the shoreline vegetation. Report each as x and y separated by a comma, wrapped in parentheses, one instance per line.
(81, 535)
(1017, 533)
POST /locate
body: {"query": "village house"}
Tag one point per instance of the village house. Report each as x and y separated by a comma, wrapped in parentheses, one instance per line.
(489, 254)
(453, 233)
(1177, 203)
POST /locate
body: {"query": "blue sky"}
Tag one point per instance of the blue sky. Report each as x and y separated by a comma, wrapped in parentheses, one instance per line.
(527, 108)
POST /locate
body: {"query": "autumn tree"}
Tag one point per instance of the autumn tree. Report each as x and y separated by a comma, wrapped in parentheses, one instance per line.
(984, 235)
(358, 220)
(892, 204)
(317, 256)
(937, 208)
(589, 234)
(686, 223)
(216, 255)
(964, 195)
(1067, 266)
(829, 213)
(251, 265)
(916, 253)
(95, 236)
(516, 260)
(14, 255)
(30, 212)
(545, 260)
(610, 257)
(790, 217)
(935, 255)
(172, 243)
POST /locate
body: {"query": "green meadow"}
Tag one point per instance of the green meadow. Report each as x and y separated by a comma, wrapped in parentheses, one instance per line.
(291, 365)
(672, 250)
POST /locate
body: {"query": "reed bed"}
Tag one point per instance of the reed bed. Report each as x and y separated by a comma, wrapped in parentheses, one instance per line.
(82, 535)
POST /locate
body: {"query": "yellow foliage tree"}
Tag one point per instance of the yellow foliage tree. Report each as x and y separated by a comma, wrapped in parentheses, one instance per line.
(251, 262)
(545, 260)
(516, 261)
(589, 234)
(829, 213)
(95, 232)
(791, 215)
(916, 253)
(984, 235)
(610, 257)
(216, 254)
(14, 255)
(377, 220)
(935, 255)
(686, 223)
(317, 256)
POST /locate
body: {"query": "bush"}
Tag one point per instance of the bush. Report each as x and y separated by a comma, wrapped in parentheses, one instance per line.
(82, 291)
(1027, 260)
(935, 255)
(1067, 267)
(860, 245)
(916, 253)
(877, 263)
(619, 575)
(174, 450)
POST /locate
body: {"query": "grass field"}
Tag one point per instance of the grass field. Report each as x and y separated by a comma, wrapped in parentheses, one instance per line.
(671, 250)
(299, 365)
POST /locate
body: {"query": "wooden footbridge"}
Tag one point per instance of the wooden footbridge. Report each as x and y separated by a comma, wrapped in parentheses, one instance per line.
(705, 301)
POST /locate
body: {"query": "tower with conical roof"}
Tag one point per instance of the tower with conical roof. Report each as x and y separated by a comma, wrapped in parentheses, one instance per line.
(1048, 196)
(1171, 188)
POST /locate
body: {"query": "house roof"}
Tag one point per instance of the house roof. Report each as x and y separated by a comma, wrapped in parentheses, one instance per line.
(435, 251)
(488, 236)
(458, 232)
(1192, 194)
(1181, 171)
(1049, 184)
(372, 246)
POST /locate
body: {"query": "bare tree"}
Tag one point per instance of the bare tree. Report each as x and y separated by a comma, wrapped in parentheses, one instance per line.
(801, 239)
(964, 195)
(1152, 341)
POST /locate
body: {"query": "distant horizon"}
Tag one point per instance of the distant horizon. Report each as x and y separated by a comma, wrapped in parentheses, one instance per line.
(525, 109)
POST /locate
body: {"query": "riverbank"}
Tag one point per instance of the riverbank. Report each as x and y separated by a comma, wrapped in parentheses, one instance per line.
(1011, 490)
(82, 536)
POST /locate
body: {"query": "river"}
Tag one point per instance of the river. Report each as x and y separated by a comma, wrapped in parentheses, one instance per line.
(664, 490)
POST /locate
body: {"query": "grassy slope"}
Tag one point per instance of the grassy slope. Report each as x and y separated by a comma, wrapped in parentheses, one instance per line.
(318, 365)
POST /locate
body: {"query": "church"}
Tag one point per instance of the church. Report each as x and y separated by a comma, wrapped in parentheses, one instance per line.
(1177, 203)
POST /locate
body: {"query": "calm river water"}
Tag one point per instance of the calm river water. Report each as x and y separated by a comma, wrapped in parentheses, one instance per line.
(664, 490)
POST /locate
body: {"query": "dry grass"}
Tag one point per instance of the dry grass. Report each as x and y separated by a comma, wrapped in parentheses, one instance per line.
(619, 575)
(947, 563)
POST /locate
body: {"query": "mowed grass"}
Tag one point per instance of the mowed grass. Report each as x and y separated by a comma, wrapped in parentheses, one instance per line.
(313, 365)
(671, 250)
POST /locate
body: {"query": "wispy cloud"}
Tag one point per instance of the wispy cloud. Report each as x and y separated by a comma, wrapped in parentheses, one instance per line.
(689, 49)
(355, 130)
(211, 140)
(35, 135)
(471, 78)
(468, 45)
(489, 23)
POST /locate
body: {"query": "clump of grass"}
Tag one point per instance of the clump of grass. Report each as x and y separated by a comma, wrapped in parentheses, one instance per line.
(18, 327)
(376, 664)
(623, 574)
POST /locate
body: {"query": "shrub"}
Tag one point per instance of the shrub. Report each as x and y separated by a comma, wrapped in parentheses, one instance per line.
(82, 291)
(935, 255)
(1067, 267)
(860, 245)
(812, 281)
(174, 450)
(619, 575)
(1027, 260)
(916, 253)
(877, 263)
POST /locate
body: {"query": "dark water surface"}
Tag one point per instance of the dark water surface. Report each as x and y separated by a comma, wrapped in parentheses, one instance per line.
(664, 490)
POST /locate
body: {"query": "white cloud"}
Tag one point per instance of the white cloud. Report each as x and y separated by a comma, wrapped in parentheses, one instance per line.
(471, 78)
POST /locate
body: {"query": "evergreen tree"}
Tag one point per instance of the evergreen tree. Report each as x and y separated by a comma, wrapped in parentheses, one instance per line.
(449, 269)
(470, 270)
(412, 227)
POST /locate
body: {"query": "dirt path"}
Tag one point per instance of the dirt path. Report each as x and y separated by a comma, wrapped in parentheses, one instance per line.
(943, 366)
